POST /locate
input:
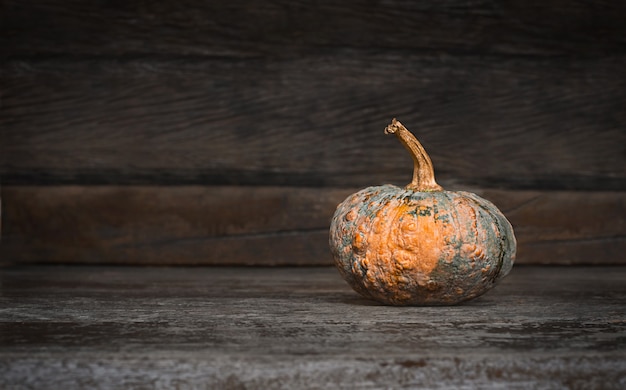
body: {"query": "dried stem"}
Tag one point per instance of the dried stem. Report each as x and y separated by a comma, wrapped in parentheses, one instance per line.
(423, 172)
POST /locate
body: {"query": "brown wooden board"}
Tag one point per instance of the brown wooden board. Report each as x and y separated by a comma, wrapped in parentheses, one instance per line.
(316, 120)
(565, 227)
(268, 225)
(248, 28)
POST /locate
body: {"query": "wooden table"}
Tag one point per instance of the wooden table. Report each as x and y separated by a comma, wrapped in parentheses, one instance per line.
(85, 327)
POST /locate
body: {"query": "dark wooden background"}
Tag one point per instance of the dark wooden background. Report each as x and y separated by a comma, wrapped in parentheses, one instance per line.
(195, 132)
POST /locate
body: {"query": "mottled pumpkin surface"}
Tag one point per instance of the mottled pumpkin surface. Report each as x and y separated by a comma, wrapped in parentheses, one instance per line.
(405, 247)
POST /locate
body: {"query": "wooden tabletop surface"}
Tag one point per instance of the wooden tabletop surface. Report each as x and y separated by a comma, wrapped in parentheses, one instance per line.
(85, 327)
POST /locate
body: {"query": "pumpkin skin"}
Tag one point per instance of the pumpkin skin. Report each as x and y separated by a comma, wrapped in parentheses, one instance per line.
(407, 246)
(402, 247)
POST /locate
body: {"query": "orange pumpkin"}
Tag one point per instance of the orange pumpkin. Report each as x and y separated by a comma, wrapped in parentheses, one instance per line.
(420, 245)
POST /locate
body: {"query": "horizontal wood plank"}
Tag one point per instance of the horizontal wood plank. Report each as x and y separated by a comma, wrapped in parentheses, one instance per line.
(315, 121)
(565, 227)
(268, 225)
(76, 327)
(162, 225)
(244, 28)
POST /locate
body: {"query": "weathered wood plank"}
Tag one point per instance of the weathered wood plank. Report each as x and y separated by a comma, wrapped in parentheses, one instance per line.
(244, 28)
(169, 225)
(268, 225)
(563, 227)
(315, 121)
(229, 328)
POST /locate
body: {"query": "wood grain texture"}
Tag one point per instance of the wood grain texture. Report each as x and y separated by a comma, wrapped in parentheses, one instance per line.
(289, 328)
(244, 28)
(565, 227)
(315, 120)
(169, 225)
(268, 225)
(287, 102)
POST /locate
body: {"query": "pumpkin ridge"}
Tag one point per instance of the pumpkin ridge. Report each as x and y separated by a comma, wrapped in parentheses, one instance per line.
(503, 235)
(455, 220)
(502, 252)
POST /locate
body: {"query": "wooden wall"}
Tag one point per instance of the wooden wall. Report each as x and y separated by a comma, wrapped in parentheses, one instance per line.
(195, 132)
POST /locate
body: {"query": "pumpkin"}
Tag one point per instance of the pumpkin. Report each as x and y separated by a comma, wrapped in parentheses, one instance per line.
(420, 245)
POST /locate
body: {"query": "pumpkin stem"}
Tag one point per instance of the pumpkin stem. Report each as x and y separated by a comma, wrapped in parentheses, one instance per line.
(423, 172)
